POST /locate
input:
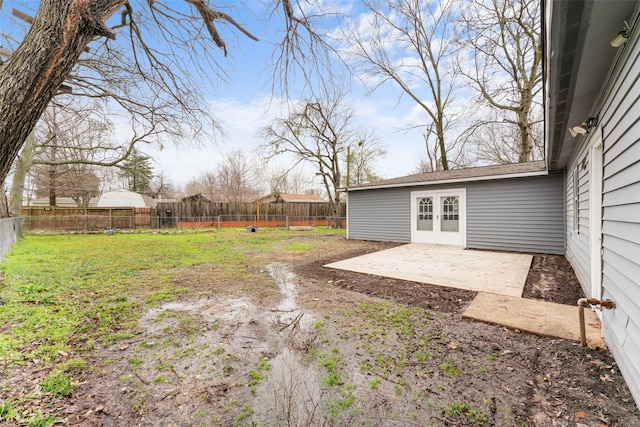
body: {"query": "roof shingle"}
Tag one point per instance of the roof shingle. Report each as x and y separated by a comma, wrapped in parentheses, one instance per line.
(475, 173)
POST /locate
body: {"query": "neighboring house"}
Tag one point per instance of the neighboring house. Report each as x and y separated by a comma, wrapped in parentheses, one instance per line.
(583, 201)
(125, 199)
(290, 198)
(194, 198)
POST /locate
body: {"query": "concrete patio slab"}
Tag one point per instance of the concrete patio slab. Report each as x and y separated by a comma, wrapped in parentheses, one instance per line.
(482, 271)
(537, 317)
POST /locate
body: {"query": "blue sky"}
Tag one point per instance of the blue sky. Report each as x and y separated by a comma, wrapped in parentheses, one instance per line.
(241, 103)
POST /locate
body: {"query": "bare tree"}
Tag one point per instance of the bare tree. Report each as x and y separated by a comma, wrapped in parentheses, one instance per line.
(103, 88)
(431, 161)
(62, 29)
(106, 82)
(303, 49)
(109, 180)
(235, 180)
(361, 159)
(78, 182)
(206, 184)
(287, 180)
(238, 178)
(22, 165)
(162, 187)
(505, 57)
(494, 143)
(317, 132)
(411, 43)
(76, 132)
(4, 205)
(82, 185)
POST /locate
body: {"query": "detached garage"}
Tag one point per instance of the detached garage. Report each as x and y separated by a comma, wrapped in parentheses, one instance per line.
(516, 207)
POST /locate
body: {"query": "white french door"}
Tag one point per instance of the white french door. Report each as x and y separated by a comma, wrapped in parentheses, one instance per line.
(439, 217)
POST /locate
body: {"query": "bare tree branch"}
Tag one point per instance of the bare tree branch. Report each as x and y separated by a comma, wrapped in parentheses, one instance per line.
(161, 37)
(411, 44)
(319, 133)
(504, 38)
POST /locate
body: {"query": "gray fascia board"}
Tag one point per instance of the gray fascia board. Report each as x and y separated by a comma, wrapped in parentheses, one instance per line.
(446, 181)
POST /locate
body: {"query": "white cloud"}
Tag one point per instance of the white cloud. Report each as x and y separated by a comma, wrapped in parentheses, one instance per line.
(240, 123)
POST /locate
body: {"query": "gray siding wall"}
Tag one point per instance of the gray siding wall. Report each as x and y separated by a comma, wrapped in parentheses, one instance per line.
(620, 119)
(518, 214)
(379, 215)
(522, 215)
(578, 215)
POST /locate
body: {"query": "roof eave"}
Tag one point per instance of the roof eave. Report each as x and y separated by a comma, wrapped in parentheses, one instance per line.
(447, 181)
(578, 59)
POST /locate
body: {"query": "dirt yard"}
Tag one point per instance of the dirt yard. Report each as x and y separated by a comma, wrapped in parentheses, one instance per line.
(297, 344)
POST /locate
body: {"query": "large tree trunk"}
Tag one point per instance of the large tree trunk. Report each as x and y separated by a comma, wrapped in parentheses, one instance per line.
(52, 176)
(526, 143)
(4, 207)
(23, 163)
(442, 142)
(35, 71)
(524, 125)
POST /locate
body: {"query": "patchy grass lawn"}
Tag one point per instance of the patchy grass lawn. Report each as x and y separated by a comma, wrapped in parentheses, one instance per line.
(213, 328)
(62, 290)
(64, 294)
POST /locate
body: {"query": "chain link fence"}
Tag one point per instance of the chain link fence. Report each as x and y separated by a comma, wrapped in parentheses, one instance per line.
(10, 232)
(107, 223)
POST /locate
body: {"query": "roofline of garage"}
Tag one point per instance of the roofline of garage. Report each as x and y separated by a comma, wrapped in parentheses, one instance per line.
(444, 181)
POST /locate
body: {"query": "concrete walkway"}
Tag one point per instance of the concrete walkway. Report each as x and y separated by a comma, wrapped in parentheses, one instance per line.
(482, 271)
(534, 316)
(498, 278)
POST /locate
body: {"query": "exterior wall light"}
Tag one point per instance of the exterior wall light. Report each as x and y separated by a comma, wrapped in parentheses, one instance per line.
(622, 37)
(583, 128)
(578, 130)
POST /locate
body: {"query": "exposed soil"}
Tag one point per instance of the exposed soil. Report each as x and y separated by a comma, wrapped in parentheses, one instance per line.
(297, 344)
(551, 278)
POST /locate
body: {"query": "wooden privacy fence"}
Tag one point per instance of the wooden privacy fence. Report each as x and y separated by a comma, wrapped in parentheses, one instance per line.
(212, 214)
(265, 211)
(78, 219)
(180, 214)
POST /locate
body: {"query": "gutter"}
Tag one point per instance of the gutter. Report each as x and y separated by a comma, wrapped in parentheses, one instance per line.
(545, 27)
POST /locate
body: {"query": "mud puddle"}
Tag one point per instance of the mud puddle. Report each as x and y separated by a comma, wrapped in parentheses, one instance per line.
(238, 315)
(206, 360)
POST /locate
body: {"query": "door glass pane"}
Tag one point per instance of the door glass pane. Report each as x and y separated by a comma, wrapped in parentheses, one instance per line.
(449, 218)
(425, 213)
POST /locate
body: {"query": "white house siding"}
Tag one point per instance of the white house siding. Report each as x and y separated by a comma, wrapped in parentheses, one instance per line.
(578, 232)
(620, 119)
(517, 214)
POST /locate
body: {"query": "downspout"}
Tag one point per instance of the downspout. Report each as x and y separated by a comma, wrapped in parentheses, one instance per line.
(346, 210)
(582, 303)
